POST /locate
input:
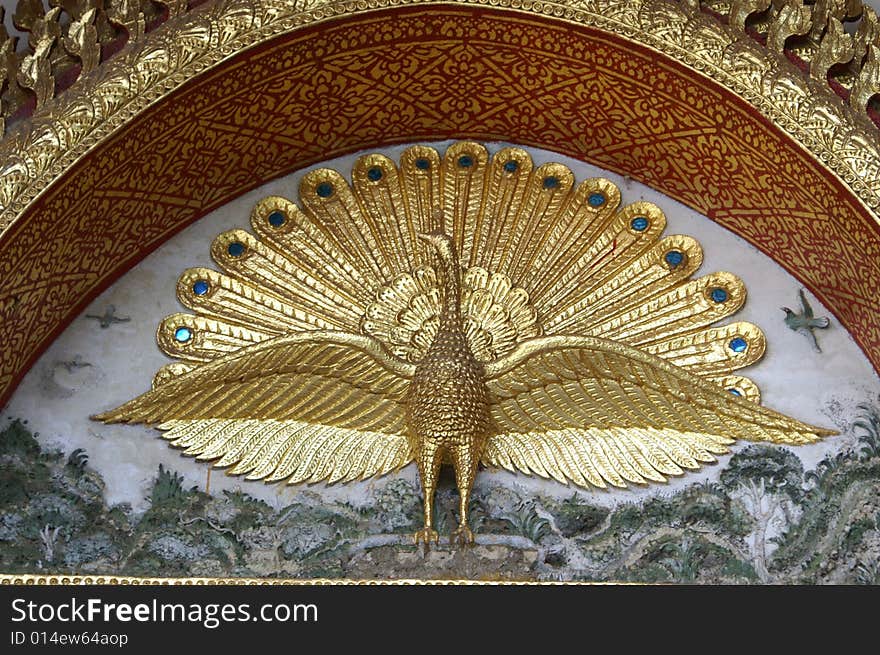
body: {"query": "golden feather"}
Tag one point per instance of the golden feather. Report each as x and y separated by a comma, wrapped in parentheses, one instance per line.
(582, 409)
(309, 406)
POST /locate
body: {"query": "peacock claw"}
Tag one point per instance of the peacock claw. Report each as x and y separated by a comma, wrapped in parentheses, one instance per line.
(426, 536)
(463, 536)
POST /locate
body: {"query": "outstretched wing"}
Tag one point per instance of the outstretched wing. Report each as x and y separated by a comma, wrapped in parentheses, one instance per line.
(311, 406)
(805, 304)
(593, 411)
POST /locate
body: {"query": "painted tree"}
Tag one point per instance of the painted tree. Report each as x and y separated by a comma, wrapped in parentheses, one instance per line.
(769, 481)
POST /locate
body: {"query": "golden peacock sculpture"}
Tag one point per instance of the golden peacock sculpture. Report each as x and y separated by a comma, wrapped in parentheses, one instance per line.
(464, 309)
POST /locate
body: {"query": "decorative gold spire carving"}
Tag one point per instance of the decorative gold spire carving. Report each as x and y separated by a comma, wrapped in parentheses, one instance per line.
(128, 15)
(793, 19)
(836, 47)
(82, 40)
(867, 85)
(740, 10)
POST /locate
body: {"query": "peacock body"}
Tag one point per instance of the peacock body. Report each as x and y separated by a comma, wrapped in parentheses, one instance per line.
(460, 308)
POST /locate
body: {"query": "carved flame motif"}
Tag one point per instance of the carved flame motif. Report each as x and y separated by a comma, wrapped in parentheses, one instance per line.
(464, 309)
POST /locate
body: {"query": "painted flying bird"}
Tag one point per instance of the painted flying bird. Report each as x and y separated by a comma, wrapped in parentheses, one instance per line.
(466, 310)
(109, 317)
(804, 321)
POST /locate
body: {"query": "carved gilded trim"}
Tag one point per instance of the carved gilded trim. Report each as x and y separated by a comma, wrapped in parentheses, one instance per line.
(43, 580)
(836, 39)
(65, 129)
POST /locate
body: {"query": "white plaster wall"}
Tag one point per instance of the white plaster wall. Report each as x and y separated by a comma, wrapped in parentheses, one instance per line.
(60, 393)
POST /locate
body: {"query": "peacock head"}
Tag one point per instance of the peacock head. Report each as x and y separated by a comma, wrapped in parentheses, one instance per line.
(441, 242)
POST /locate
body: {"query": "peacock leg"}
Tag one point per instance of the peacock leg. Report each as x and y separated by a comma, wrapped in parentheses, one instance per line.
(429, 469)
(465, 462)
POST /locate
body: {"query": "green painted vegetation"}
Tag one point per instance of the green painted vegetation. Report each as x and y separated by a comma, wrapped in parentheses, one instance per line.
(766, 520)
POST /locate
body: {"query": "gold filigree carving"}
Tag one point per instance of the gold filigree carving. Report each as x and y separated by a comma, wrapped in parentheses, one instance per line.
(175, 7)
(578, 345)
(867, 34)
(82, 40)
(778, 21)
(825, 43)
(793, 19)
(64, 580)
(128, 15)
(8, 64)
(867, 85)
(148, 70)
(740, 10)
(836, 47)
(35, 72)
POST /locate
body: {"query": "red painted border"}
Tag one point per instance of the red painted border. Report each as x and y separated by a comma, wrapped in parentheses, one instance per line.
(66, 234)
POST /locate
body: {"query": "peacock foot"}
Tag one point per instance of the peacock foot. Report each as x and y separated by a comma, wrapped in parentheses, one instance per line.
(426, 535)
(463, 536)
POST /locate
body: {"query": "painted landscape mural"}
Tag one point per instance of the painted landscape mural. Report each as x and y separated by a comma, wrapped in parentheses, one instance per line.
(766, 521)
(81, 498)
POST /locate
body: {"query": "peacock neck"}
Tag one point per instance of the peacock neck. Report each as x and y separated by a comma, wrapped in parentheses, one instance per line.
(450, 311)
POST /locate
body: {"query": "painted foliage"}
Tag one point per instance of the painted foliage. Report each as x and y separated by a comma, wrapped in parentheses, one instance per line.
(766, 520)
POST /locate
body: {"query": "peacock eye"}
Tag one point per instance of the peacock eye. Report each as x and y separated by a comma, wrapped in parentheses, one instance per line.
(738, 345)
(276, 218)
(182, 334)
(639, 223)
(718, 295)
(674, 258)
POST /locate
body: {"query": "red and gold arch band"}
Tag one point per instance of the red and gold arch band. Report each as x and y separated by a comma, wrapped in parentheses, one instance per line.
(416, 74)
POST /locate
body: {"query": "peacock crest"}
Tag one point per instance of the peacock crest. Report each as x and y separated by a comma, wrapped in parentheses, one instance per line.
(463, 309)
(540, 255)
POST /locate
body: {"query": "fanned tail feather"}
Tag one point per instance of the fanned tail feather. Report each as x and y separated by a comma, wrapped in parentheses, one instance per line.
(574, 259)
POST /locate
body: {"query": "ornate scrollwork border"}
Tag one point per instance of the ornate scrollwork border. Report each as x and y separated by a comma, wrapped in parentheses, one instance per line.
(39, 151)
(43, 580)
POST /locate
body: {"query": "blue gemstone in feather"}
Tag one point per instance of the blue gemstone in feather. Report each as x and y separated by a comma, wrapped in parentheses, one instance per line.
(674, 258)
(324, 190)
(374, 174)
(277, 218)
(465, 161)
(423, 164)
(719, 295)
(596, 200)
(551, 182)
(738, 345)
(639, 223)
(182, 334)
(200, 288)
(511, 166)
(735, 392)
(235, 249)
